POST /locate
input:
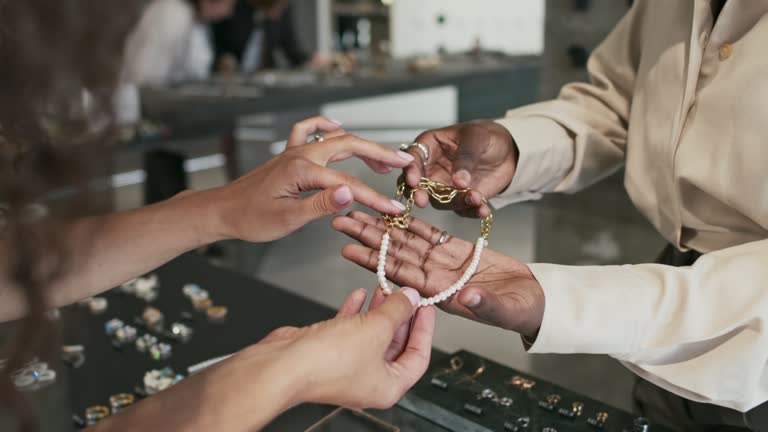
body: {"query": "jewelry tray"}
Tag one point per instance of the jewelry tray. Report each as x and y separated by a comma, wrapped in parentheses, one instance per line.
(456, 407)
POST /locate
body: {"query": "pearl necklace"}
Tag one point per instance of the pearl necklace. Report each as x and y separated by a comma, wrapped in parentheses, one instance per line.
(443, 194)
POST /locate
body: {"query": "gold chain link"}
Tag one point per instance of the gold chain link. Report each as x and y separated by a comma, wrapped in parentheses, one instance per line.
(440, 192)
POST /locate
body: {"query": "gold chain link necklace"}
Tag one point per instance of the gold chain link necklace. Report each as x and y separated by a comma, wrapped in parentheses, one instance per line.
(443, 194)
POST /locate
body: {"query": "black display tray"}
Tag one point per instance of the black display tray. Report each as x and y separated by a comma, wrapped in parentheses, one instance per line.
(452, 398)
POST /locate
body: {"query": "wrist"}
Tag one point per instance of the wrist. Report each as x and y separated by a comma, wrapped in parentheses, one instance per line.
(287, 376)
(211, 210)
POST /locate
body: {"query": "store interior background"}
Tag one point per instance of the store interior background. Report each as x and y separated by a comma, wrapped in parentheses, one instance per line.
(597, 226)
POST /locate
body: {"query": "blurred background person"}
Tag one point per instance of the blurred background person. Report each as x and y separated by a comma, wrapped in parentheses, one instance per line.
(172, 41)
(260, 34)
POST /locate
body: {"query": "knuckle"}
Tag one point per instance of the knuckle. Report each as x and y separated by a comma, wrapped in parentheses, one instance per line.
(320, 205)
(282, 332)
(298, 127)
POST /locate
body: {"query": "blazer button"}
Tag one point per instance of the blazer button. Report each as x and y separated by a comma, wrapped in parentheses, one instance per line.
(726, 51)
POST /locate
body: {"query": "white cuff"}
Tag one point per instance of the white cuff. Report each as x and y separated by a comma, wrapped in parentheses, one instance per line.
(586, 309)
(546, 156)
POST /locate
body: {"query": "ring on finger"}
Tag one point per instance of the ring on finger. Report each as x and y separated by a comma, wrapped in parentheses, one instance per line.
(319, 138)
(444, 236)
(424, 150)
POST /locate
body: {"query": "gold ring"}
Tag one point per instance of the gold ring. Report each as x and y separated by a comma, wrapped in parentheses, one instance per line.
(202, 304)
(216, 313)
(95, 413)
(120, 401)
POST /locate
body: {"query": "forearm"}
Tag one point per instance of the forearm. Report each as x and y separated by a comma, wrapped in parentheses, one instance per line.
(672, 325)
(215, 399)
(104, 251)
(579, 138)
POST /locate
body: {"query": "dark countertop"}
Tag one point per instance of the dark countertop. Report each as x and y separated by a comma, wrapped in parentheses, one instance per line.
(193, 110)
(255, 309)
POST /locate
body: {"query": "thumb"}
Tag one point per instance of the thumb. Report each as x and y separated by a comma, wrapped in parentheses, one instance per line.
(397, 309)
(327, 202)
(473, 141)
(507, 312)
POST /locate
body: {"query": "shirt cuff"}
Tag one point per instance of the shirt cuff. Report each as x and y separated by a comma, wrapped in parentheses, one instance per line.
(583, 312)
(545, 158)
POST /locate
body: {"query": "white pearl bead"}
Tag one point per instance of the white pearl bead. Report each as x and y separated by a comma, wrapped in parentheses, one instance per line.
(446, 293)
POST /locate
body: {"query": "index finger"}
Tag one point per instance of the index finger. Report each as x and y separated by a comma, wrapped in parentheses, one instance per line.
(319, 177)
(347, 146)
(305, 128)
(353, 303)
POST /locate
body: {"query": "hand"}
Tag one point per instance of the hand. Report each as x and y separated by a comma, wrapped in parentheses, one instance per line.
(502, 293)
(268, 203)
(359, 360)
(480, 155)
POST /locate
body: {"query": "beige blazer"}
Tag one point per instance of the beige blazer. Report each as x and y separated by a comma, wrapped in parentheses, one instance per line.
(682, 102)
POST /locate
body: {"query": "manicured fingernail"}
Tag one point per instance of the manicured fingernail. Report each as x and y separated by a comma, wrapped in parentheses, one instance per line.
(412, 295)
(464, 175)
(342, 196)
(337, 122)
(473, 300)
(407, 156)
(398, 204)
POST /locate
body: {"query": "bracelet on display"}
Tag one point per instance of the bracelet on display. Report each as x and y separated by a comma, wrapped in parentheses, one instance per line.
(443, 194)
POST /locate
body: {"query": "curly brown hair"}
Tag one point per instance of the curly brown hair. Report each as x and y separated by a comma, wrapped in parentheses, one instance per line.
(61, 64)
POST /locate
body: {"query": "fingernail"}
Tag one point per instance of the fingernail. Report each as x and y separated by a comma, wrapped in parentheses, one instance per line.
(407, 156)
(336, 122)
(473, 300)
(398, 204)
(464, 175)
(412, 295)
(342, 196)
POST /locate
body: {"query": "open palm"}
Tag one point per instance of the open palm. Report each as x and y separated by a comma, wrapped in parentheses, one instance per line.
(503, 292)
